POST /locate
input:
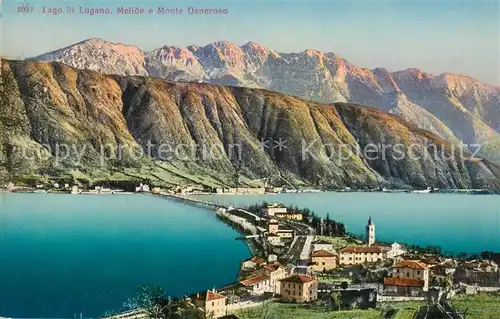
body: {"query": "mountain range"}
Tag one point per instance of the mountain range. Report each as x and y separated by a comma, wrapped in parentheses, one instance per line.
(100, 116)
(457, 108)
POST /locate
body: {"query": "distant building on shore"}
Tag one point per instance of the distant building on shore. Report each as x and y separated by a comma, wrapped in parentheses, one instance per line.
(75, 190)
(142, 188)
(354, 255)
(242, 190)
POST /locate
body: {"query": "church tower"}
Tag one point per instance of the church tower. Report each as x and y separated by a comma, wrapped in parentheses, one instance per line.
(370, 232)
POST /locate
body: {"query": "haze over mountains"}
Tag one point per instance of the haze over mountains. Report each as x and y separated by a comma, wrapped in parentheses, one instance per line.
(455, 107)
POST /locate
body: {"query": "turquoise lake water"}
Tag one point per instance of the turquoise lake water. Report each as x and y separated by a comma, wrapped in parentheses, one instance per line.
(62, 255)
(457, 223)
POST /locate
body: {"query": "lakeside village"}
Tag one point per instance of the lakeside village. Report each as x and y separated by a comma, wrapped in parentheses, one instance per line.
(124, 188)
(311, 263)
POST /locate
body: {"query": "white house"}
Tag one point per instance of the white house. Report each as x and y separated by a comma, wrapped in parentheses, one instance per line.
(323, 245)
(142, 188)
(257, 284)
(396, 250)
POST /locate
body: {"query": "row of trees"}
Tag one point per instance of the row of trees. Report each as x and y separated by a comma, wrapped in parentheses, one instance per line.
(327, 226)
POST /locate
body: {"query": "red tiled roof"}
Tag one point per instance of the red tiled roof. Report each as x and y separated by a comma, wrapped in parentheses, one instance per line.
(322, 253)
(361, 249)
(298, 279)
(403, 282)
(254, 280)
(258, 260)
(382, 246)
(270, 268)
(321, 242)
(412, 264)
(209, 296)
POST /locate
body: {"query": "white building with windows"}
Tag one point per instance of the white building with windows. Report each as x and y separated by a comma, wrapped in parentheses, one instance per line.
(354, 255)
(271, 210)
(323, 245)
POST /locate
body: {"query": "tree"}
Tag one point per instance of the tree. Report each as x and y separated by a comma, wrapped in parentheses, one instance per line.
(336, 298)
(355, 302)
(344, 285)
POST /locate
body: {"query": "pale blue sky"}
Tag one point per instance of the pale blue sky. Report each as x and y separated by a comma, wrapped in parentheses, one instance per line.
(435, 36)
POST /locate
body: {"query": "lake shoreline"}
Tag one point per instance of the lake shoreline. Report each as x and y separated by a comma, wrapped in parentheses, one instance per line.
(449, 221)
(146, 237)
(271, 197)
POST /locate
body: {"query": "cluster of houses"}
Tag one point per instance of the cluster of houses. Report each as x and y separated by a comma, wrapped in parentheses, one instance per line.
(281, 212)
(74, 189)
(142, 188)
(241, 190)
(279, 234)
(324, 255)
(409, 275)
(266, 188)
(406, 277)
(264, 277)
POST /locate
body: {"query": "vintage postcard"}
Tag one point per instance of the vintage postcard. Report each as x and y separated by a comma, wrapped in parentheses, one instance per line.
(250, 159)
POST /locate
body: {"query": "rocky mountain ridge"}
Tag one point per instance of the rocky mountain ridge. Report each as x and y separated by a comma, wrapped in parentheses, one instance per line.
(455, 107)
(215, 135)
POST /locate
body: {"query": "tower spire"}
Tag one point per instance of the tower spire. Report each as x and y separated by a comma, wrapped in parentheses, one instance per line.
(370, 231)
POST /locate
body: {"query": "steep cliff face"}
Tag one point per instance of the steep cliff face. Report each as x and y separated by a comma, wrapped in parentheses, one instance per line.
(217, 135)
(457, 108)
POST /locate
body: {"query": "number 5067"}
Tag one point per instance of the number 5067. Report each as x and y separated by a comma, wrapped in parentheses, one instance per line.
(24, 9)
